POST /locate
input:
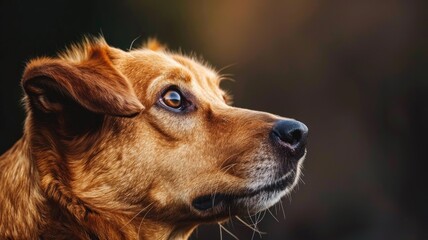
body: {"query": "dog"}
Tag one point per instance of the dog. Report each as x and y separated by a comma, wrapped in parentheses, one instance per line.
(138, 144)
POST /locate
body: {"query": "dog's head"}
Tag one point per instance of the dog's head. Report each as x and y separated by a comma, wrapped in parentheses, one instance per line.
(151, 131)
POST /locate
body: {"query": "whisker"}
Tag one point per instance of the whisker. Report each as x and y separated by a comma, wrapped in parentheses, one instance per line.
(221, 233)
(226, 168)
(214, 195)
(132, 43)
(248, 225)
(230, 217)
(272, 214)
(259, 218)
(253, 222)
(230, 233)
(276, 209)
(228, 158)
(289, 198)
(136, 215)
(282, 208)
(142, 220)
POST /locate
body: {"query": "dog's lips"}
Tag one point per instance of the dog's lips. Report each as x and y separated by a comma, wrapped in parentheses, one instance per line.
(206, 202)
(217, 200)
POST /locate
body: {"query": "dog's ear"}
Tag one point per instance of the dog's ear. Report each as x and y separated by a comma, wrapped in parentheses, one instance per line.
(91, 81)
(154, 45)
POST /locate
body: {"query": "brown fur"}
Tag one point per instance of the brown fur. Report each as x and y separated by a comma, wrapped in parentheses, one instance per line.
(100, 159)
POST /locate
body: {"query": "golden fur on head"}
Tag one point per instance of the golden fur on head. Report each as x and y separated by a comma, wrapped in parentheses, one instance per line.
(105, 155)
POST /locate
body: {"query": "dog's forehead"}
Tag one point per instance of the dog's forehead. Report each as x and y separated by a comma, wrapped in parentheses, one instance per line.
(160, 61)
(150, 70)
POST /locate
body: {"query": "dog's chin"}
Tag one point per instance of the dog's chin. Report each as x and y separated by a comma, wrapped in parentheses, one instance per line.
(267, 196)
(247, 201)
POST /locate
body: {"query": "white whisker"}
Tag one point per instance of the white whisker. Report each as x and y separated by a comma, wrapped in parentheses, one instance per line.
(136, 215)
(230, 233)
(221, 233)
(282, 208)
(272, 214)
(132, 43)
(248, 225)
(142, 220)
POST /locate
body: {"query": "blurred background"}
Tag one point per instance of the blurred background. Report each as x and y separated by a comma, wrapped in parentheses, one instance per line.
(353, 71)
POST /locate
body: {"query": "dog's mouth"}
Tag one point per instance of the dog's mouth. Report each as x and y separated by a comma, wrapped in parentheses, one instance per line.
(218, 201)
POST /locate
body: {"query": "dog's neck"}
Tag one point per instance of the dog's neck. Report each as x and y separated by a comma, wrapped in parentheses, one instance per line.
(28, 214)
(153, 230)
(22, 203)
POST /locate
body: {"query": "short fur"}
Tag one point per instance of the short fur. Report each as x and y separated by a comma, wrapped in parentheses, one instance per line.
(101, 158)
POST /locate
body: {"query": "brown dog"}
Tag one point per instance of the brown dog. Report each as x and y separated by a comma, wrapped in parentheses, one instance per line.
(138, 145)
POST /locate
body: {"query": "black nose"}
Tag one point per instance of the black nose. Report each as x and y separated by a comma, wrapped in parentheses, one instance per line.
(291, 133)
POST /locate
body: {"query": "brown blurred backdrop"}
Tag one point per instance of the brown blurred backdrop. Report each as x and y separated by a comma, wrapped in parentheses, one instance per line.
(353, 71)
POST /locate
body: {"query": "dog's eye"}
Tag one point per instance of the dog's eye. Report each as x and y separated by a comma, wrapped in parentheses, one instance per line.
(173, 99)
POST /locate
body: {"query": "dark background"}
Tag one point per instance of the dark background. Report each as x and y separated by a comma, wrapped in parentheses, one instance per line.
(354, 71)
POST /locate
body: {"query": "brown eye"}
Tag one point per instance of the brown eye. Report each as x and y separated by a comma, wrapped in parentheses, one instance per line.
(173, 99)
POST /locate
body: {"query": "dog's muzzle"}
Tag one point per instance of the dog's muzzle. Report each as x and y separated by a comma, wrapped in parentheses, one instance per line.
(289, 140)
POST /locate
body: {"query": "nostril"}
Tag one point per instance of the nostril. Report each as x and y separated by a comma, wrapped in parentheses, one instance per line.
(291, 137)
(296, 135)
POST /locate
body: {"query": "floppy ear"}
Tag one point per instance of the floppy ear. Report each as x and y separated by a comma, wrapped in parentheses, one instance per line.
(92, 82)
